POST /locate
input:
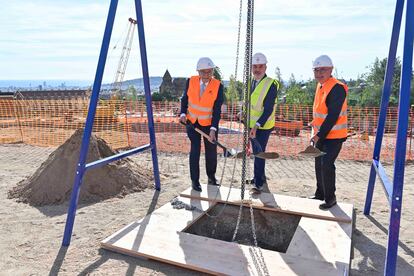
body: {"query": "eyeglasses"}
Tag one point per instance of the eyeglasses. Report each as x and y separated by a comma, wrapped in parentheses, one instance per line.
(206, 71)
(321, 69)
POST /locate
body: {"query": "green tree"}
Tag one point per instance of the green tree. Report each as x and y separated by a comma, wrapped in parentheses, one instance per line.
(278, 77)
(157, 97)
(355, 90)
(132, 93)
(217, 73)
(234, 91)
(374, 80)
(300, 92)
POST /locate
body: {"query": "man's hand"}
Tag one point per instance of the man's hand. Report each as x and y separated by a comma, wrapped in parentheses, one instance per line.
(253, 132)
(239, 115)
(314, 140)
(212, 135)
(183, 119)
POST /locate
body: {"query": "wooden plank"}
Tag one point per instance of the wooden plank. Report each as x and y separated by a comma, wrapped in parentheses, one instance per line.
(322, 240)
(158, 237)
(341, 212)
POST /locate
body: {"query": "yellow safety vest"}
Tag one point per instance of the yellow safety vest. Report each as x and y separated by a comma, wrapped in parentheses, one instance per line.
(256, 103)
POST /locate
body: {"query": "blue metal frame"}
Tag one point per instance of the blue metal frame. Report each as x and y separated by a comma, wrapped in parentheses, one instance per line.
(144, 64)
(82, 166)
(394, 191)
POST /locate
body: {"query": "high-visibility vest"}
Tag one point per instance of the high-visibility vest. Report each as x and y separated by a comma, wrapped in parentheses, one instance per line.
(320, 110)
(256, 103)
(201, 108)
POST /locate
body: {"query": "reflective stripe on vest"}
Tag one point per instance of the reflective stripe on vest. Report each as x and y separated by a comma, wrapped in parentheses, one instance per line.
(323, 116)
(256, 101)
(201, 108)
(320, 110)
(205, 109)
(335, 127)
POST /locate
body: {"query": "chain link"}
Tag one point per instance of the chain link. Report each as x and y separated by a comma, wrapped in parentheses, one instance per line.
(255, 251)
(178, 204)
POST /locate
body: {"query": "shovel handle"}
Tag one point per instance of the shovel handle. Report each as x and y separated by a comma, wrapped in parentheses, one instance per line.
(257, 144)
(204, 135)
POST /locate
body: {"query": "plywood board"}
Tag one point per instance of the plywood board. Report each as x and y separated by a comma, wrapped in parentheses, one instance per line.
(322, 240)
(281, 203)
(158, 236)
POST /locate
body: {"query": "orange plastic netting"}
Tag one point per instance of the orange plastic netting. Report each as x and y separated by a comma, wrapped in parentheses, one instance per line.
(123, 124)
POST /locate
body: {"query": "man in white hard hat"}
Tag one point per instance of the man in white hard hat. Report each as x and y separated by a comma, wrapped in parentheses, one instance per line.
(262, 115)
(329, 128)
(201, 109)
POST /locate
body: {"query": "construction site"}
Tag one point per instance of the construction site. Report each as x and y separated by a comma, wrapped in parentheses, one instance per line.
(121, 166)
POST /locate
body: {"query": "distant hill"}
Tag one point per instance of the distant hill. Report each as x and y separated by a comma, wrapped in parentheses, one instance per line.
(155, 83)
(14, 85)
(34, 84)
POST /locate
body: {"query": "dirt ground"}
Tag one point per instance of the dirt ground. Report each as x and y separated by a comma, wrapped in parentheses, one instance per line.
(30, 237)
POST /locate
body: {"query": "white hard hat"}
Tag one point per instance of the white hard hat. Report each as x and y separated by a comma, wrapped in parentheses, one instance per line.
(205, 63)
(259, 58)
(322, 61)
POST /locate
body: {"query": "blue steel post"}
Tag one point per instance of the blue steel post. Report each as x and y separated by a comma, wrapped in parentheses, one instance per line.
(386, 91)
(144, 64)
(80, 170)
(401, 145)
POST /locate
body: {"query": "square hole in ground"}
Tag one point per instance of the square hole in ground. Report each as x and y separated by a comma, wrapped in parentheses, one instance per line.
(274, 230)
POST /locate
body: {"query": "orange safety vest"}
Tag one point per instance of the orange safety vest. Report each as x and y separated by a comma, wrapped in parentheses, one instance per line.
(320, 110)
(201, 108)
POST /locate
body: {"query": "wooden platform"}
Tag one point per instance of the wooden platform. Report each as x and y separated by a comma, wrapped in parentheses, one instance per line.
(321, 244)
(342, 212)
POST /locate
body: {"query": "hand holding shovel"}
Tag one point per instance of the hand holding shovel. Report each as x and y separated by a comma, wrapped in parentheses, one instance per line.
(227, 152)
(312, 150)
(260, 154)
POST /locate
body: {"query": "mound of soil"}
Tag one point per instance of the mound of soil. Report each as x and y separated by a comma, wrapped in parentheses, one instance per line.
(53, 181)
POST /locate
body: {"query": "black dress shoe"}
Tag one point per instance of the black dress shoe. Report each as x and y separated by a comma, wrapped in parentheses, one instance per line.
(256, 190)
(196, 186)
(213, 181)
(328, 204)
(315, 197)
(249, 181)
(252, 182)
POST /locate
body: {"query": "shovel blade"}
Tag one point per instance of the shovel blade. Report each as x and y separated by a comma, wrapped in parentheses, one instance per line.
(239, 154)
(232, 153)
(311, 151)
(262, 155)
(267, 155)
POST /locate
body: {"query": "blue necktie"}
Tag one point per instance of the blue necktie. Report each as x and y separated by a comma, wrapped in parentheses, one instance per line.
(254, 85)
(202, 88)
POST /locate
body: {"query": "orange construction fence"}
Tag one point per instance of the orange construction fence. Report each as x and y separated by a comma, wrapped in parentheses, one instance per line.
(123, 124)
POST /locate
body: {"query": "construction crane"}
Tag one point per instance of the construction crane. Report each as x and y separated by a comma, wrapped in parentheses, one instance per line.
(116, 85)
(107, 112)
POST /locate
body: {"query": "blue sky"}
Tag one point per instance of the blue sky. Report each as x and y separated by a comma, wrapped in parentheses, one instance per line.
(55, 39)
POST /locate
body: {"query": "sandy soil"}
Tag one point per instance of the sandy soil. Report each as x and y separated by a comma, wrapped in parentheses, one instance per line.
(30, 237)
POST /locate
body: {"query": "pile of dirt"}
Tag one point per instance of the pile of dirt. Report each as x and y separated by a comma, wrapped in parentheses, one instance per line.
(53, 181)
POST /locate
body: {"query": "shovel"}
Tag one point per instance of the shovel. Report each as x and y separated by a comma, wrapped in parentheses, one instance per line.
(312, 151)
(260, 154)
(227, 152)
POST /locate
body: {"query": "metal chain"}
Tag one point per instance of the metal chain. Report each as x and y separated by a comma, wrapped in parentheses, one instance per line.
(232, 112)
(246, 81)
(178, 204)
(256, 250)
(246, 109)
(238, 39)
